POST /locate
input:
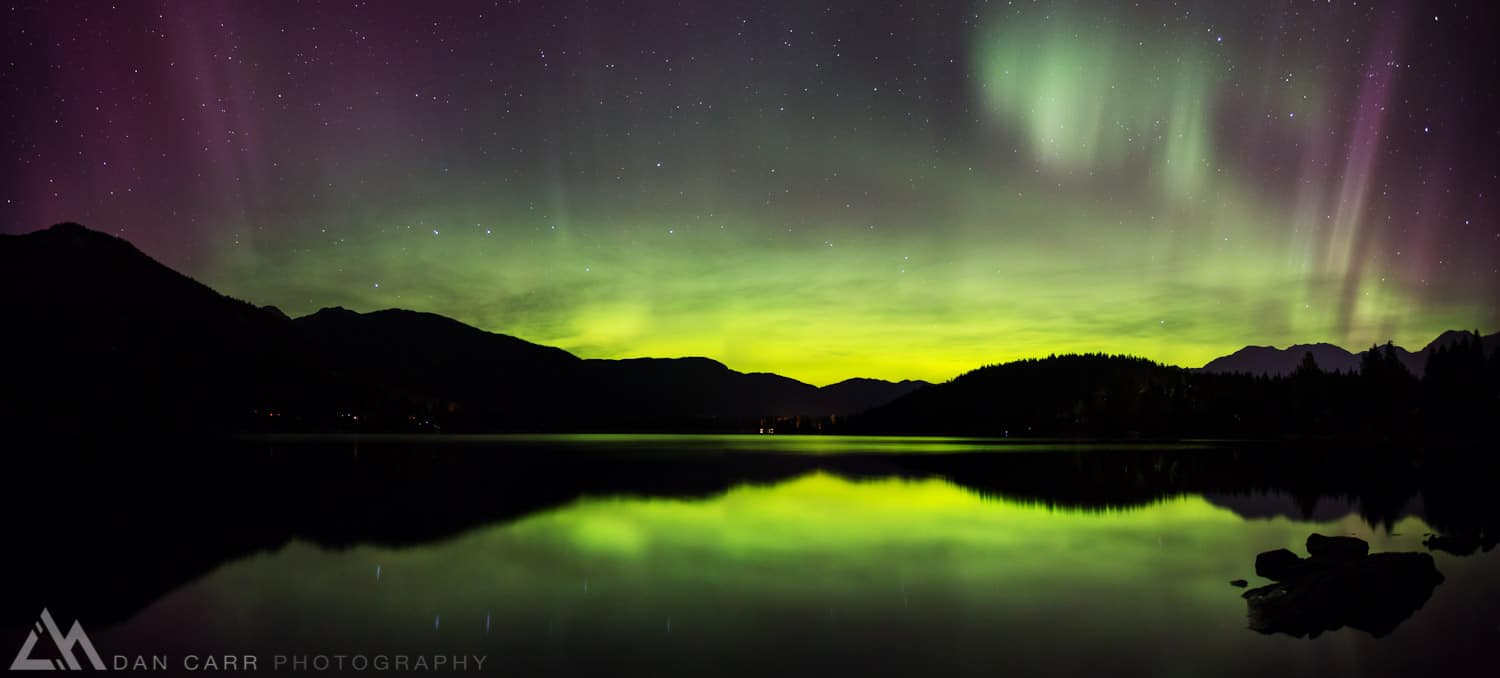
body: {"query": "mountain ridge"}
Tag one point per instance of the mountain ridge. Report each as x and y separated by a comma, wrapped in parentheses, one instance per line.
(693, 385)
(114, 340)
(117, 340)
(1272, 361)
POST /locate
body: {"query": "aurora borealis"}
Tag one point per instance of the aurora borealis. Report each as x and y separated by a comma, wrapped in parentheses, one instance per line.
(823, 190)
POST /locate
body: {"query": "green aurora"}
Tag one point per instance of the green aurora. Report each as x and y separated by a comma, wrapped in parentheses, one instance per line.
(814, 195)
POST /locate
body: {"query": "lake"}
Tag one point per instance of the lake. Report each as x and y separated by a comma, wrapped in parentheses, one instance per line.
(748, 555)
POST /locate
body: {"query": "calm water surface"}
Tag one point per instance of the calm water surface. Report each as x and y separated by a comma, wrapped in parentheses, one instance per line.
(819, 569)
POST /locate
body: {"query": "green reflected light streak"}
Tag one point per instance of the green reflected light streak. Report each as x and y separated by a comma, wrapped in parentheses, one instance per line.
(817, 557)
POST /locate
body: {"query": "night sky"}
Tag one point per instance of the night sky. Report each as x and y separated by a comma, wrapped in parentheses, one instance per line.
(824, 190)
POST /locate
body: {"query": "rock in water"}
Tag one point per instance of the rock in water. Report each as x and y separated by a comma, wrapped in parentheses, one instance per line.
(1373, 594)
(1278, 565)
(1336, 548)
(1458, 545)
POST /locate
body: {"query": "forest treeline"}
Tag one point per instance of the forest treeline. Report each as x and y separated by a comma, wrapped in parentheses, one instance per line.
(1458, 397)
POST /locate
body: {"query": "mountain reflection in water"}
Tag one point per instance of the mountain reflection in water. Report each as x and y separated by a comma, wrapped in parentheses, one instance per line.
(710, 555)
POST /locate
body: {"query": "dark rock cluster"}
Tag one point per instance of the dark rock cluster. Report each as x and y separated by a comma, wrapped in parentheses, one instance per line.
(1340, 584)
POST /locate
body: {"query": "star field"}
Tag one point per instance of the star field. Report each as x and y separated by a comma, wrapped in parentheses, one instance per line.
(823, 190)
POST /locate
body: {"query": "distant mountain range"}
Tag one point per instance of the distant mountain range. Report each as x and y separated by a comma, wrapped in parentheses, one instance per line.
(499, 377)
(104, 336)
(1272, 361)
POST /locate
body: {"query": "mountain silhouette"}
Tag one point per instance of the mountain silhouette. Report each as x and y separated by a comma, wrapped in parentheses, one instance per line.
(1269, 360)
(856, 395)
(104, 338)
(1272, 361)
(1451, 337)
(428, 365)
(109, 340)
(487, 378)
